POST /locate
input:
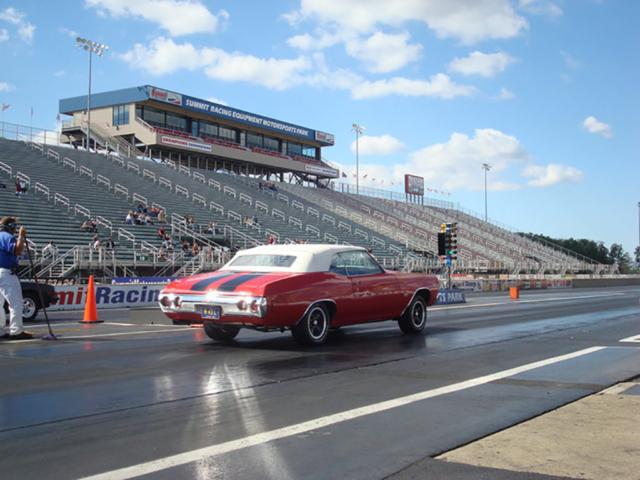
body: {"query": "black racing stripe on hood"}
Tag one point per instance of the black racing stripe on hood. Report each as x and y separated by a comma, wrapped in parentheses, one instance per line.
(202, 285)
(231, 285)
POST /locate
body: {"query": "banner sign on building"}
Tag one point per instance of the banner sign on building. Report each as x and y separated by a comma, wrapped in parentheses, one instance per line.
(413, 185)
(241, 116)
(181, 142)
(323, 170)
(165, 96)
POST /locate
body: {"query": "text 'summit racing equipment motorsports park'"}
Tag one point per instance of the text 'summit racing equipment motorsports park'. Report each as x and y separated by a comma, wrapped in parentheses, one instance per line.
(308, 289)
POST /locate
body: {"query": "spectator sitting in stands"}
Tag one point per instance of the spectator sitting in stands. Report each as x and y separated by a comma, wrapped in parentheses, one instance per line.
(131, 219)
(144, 219)
(109, 245)
(96, 245)
(18, 188)
(255, 220)
(186, 248)
(50, 252)
(153, 212)
(168, 242)
(272, 186)
(86, 226)
(142, 208)
(196, 249)
(23, 187)
(94, 226)
(161, 232)
(271, 240)
(162, 218)
(162, 254)
(192, 225)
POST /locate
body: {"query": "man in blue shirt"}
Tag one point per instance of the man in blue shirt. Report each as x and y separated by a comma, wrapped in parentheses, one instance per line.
(10, 289)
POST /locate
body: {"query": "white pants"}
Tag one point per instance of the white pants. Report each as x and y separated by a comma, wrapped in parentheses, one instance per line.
(11, 290)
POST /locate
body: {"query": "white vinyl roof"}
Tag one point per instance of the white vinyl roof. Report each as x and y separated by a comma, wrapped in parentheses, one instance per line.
(308, 257)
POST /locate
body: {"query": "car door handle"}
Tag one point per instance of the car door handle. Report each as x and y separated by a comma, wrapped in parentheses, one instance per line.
(357, 282)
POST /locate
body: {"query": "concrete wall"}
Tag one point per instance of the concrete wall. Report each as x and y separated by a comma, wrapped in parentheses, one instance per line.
(604, 282)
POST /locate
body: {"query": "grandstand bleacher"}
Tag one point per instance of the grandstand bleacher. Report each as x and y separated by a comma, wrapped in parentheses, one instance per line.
(67, 186)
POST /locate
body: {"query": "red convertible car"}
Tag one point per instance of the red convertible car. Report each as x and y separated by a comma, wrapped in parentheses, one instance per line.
(308, 289)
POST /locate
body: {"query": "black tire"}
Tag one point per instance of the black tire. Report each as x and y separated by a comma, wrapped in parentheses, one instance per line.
(314, 326)
(415, 317)
(221, 333)
(30, 311)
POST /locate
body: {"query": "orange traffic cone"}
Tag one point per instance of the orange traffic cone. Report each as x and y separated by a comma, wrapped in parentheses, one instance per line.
(90, 308)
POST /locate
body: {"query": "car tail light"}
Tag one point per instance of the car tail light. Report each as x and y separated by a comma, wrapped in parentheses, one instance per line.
(177, 302)
(254, 306)
(165, 301)
(242, 305)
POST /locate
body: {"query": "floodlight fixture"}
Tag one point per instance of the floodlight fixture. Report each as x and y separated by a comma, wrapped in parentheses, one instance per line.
(99, 49)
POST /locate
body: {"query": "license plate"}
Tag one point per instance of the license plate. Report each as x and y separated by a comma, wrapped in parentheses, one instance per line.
(212, 313)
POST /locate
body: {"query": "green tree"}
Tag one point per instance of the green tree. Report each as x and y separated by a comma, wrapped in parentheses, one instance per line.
(620, 258)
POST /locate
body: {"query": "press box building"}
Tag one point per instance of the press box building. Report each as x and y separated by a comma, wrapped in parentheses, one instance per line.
(161, 124)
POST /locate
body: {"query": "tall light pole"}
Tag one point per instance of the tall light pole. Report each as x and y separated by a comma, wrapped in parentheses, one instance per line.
(638, 223)
(359, 129)
(99, 49)
(486, 167)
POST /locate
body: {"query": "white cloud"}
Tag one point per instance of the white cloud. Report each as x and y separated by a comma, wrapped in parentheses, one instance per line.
(383, 145)
(59, 73)
(541, 7)
(6, 87)
(439, 86)
(552, 174)
(26, 30)
(271, 73)
(163, 56)
(70, 33)
(569, 61)
(215, 100)
(4, 35)
(468, 21)
(484, 64)
(594, 126)
(457, 164)
(382, 53)
(306, 42)
(178, 17)
(26, 33)
(505, 94)
(13, 16)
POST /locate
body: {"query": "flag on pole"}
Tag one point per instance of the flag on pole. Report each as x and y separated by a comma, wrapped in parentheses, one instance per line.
(344, 175)
(58, 117)
(365, 175)
(4, 107)
(32, 111)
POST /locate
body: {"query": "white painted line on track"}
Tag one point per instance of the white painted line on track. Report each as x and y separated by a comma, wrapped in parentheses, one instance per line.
(265, 437)
(634, 339)
(509, 301)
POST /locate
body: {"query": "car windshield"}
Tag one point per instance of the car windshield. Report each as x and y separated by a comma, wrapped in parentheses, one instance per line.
(263, 261)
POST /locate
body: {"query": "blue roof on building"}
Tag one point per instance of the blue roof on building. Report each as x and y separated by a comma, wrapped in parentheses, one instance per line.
(148, 92)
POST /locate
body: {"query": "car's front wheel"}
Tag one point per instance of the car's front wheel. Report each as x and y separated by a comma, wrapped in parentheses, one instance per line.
(415, 317)
(221, 333)
(30, 310)
(314, 326)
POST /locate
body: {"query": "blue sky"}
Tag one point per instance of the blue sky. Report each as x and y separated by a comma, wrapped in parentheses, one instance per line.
(544, 91)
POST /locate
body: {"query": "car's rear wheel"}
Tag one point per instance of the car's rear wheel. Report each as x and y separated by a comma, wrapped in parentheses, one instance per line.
(221, 333)
(314, 326)
(415, 317)
(30, 310)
